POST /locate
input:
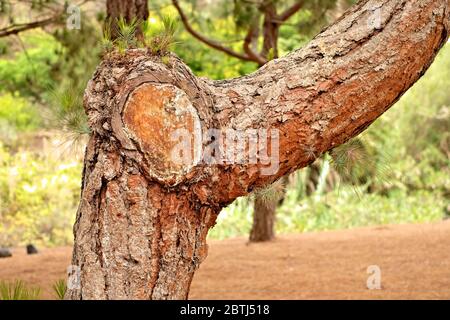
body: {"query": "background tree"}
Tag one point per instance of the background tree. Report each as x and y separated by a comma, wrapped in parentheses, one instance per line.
(143, 219)
(129, 10)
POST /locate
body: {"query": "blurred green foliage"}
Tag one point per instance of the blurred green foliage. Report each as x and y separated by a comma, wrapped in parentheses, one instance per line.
(38, 198)
(17, 113)
(29, 71)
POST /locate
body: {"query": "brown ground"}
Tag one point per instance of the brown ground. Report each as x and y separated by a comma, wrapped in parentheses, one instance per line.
(414, 261)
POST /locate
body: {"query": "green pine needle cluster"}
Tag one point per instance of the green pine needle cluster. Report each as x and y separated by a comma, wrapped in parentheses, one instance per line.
(18, 291)
(357, 163)
(351, 160)
(271, 193)
(67, 111)
(60, 288)
(126, 34)
(159, 39)
(107, 44)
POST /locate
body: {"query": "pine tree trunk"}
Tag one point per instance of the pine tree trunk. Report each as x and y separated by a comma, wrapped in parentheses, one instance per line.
(264, 212)
(263, 228)
(140, 232)
(126, 9)
(134, 239)
(141, 225)
(270, 31)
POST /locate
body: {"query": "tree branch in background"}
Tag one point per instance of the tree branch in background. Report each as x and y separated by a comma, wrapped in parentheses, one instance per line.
(212, 43)
(251, 35)
(55, 13)
(17, 28)
(290, 11)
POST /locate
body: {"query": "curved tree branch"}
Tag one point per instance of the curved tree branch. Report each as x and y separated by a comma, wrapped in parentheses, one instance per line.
(290, 11)
(322, 95)
(55, 10)
(17, 28)
(209, 42)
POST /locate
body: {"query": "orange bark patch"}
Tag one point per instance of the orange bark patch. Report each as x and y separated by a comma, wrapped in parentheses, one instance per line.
(156, 116)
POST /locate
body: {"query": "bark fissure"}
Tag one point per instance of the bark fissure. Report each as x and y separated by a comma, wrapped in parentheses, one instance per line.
(98, 245)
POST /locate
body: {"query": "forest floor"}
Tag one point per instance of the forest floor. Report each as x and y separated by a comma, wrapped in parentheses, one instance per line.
(414, 261)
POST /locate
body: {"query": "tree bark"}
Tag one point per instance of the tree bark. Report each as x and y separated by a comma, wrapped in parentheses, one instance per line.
(263, 228)
(271, 26)
(264, 211)
(127, 9)
(143, 218)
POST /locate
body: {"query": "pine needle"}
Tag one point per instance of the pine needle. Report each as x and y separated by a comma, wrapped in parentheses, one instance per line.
(18, 291)
(271, 193)
(60, 288)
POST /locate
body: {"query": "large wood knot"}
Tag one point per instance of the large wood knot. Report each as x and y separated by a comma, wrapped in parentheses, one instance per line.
(166, 126)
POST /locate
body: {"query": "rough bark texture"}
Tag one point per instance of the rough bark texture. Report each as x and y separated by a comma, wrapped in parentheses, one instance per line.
(142, 222)
(263, 228)
(127, 9)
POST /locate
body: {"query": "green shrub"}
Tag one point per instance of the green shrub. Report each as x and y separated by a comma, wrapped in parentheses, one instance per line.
(30, 71)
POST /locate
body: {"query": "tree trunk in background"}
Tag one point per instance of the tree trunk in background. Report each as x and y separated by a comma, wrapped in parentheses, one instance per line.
(263, 228)
(271, 27)
(141, 225)
(128, 9)
(264, 213)
(264, 210)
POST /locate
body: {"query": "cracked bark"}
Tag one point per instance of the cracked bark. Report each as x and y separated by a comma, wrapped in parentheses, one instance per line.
(142, 222)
